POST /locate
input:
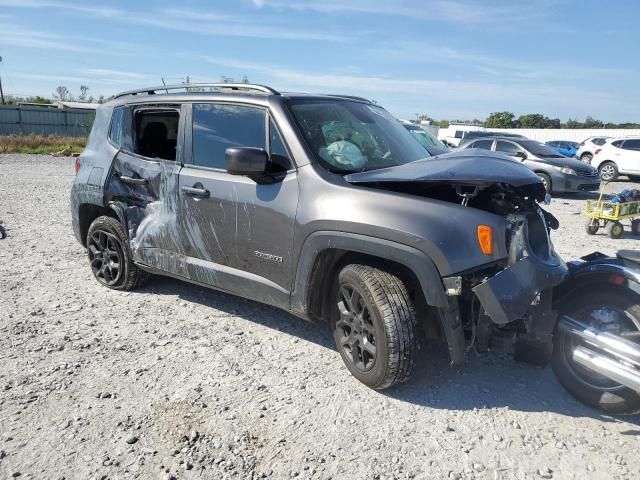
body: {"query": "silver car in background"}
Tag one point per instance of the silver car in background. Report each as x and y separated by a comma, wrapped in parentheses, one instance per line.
(558, 173)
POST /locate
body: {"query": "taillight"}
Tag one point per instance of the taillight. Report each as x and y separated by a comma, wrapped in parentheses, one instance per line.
(77, 165)
(485, 239)
(597, 151)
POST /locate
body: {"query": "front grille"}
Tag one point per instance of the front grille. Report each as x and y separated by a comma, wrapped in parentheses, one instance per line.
(587, 173)
(588, 187)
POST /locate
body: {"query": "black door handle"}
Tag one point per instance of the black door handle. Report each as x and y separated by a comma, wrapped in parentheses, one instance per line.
(133, 181)
(196, 192)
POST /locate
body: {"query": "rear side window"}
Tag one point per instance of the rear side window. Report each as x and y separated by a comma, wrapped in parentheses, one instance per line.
(617, 143)
(156, 132)
(633, 144)
(485, 144)
(218, 127)
(507, 147)
(599, 141)
(115, 134)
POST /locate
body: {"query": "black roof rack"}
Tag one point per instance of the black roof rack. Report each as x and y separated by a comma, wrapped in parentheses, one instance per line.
(352, 97)
(184, 86)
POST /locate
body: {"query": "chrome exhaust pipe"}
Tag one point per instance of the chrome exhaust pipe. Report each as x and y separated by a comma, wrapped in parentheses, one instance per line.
(623, 349)
(616, 371)
(616, 358)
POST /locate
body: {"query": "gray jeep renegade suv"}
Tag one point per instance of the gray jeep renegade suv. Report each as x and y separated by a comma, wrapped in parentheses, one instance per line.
(324, 206)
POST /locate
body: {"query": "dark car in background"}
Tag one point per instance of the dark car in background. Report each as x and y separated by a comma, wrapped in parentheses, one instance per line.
(558, 173)
(468, 137)
(564, 147)
(430, 143)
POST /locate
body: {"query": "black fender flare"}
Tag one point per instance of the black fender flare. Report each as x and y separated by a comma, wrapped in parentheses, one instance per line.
(415, 260)
(120, 210)
(600, 271)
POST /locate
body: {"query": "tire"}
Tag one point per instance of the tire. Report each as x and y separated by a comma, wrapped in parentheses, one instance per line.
(591, 227)
(635, 227)
(607, 396)
(615, 229)
(634, 178)
(586, 157)
(608, 171)
(546, 180)
(110, 257)
(374, 326)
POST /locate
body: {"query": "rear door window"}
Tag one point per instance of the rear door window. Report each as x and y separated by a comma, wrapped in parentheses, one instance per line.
(507, 147)
(156, 132)
(484, 144)
(217, 127)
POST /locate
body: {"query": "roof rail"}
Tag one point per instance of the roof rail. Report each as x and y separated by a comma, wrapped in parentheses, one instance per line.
(352, 97)
(185, 86)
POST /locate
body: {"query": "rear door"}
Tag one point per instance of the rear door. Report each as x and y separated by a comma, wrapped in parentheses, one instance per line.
(143, 184)
(238, 233)
(629, 159)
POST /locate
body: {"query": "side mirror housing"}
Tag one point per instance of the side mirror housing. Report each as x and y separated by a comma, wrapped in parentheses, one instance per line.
(249, 161)
(521, 155)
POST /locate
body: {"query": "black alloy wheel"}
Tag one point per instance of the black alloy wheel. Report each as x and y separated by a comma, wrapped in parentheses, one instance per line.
(105, 257)
(356, 331)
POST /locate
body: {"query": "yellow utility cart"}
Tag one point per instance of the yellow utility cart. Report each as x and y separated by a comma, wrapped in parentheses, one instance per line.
(609, 215)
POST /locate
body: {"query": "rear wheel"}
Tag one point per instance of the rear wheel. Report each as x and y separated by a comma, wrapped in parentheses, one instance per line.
(615, 229)
(608, 171)
(586, 157)
(110, 257)
(374, 326)
(609, 310)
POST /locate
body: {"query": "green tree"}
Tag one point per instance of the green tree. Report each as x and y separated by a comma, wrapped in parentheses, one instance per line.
(572, 123)
(532, 120)
(591, 122)
(500, 120)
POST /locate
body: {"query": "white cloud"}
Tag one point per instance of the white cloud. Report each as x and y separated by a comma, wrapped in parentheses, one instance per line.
(457, 11)
(189, 20)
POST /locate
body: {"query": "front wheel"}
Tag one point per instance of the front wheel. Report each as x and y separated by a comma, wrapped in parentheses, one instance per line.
(374, 326)
(592, 227)
(609, 310)
(546, 181)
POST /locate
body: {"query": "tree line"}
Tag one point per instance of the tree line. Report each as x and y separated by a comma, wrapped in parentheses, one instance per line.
(530, 120)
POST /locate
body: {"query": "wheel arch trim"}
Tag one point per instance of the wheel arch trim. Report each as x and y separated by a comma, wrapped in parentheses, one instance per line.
(418, 262)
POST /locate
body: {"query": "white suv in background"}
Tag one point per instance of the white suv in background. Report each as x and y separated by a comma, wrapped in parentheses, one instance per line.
(589, 146)
(618, 157)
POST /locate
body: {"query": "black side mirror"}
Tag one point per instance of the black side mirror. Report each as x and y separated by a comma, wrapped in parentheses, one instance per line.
(521, 155)
(249, 161)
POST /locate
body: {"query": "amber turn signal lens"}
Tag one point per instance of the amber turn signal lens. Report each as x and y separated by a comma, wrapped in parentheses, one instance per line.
(485, 239)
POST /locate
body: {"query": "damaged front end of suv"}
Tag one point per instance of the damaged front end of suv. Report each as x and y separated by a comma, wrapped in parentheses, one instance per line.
(506, 303)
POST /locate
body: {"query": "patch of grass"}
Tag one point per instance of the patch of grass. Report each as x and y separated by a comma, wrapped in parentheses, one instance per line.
(40, 143)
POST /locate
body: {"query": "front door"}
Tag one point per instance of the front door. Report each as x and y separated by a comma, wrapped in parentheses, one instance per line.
(143, 184)
(238, 233)
(629, 159)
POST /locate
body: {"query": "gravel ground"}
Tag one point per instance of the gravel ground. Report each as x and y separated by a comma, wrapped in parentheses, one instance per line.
(176, 381)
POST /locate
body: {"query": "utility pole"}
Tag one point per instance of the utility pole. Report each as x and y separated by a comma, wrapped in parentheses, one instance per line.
(1, 93)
